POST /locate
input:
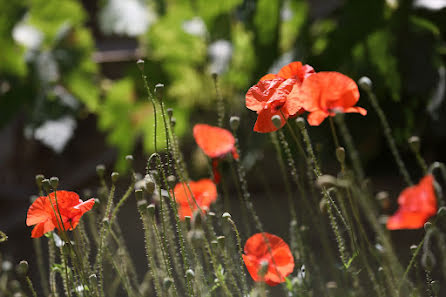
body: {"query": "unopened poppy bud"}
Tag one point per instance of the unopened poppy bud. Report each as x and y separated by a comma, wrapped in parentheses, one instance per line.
(441, 211)
(171, 181)
(114, 177)
(167, 282)
(300, 121)
(54, 182)
(263, 268)
(100, 169)
(190, 274)
(93, 279)
(340, 154)
(39, 179)
(151, 209)
(365, 83)
(277, 121)
(106, 222)
(435, 285)
(226, 216)
(326, 181)
(197, 218)
(383, 199)
(159, 91)
(234, 122)
(22, 268)
(140, 64)
(221, 241)
(414, 143)
(170, 112)
(46, 185)
(142, 204)
(214, 244)
(428, 260)
(187, 220)
(427, 226)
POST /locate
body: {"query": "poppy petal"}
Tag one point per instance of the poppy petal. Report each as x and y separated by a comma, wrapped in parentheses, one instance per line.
(38, 212)
(42, 228)
(295, 70)
(317, 117)
(269, 76)
(356, 109)
(264, 123)
(214, 141)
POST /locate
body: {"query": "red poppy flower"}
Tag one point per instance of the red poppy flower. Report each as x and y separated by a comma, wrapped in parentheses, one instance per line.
(267, 250)
(69, 207)
(216, 143)
(270, 95)
(325, 93)
(204, 191)
(416, 205)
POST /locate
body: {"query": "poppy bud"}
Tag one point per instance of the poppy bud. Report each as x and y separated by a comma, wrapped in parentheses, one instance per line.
(190, 274)
(114, 177)
(159, 91)
(151, 209)
(214, 244)
(441, 211)
(140, 64)
(142, 204)
(171, 181)
(263, 268)
(428, 260)
(221, 241)
(22, 268)
(39, 179)
(170, 112)
(54, 182)
(226, 216)
(100, 169)
(129, 158)
(427, 226)
(414, 143)
(340, 154)
(435, 285)
(187, 220)
(46, 185)
(277, 121)
(365, 83)
(300, 121)
(234, 122)
(167, 282)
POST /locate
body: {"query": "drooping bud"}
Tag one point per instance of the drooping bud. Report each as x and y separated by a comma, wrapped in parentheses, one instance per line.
(46, 185)
(226, 216)
(190, 274)
(39, 179)
(159, 91)
(140, 64)
(234, 122)
(114, 177)
(100, 170)
(54, 182)
(414, 142)
(365, 83)
(277, 121)
(340, 154)
(300, 121)
(22, 268)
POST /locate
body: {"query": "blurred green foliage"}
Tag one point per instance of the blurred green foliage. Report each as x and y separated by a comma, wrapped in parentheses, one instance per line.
(400, 47)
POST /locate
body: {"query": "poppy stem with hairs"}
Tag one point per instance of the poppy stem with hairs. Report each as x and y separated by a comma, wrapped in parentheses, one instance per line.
(333, 132)
(293, 135)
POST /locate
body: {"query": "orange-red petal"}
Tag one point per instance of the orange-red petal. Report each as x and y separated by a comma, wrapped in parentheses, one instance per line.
(295, 70)
(204, 191)
(264, 123)
(214, 141)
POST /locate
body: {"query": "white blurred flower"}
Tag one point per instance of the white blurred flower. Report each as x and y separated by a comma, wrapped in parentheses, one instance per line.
(195, 27)
(27, 35)
(129, 17)
(430, 4)
(220, 53)
(285, 12)
(56, 133)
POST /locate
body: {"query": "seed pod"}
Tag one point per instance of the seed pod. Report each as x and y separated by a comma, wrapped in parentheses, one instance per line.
(167, 282)
(190, 274)
(277, 121)
(46, 185)
(54, 182)
(140, 64)
(114, 177)
(300, 121)
(365, 83)
(171, 181)
(234, 122)
(151, 209)
(159, 91)
(340, 154)
(221, 241)
(22, 268)
(39, 179)
(226, 215)
(100, 169)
